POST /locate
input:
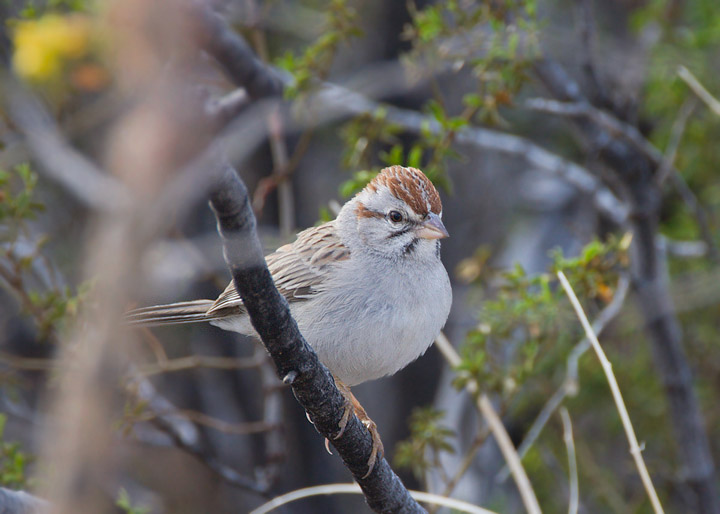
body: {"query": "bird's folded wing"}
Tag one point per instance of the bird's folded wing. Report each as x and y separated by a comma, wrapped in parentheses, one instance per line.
(298, 269)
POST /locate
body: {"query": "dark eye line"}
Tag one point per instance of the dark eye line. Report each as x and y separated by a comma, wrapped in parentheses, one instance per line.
(400, 232)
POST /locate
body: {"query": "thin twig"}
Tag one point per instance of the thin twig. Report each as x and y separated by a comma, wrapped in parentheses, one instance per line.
(73, 170)
(686, 249)
(616, 128)
(700, 214)
(198, 361)
(184, 435)
(510, 454)
(697, 88)
(572, 461)
(536, 428)
(569, 386)
(221, 111)
(466, 463)
(333, 101)
(155, 345)
(286, 199)
(633, 172)
(635, 450)
(597, 475)
(271, 182)
(676, 133)
(586, 27)
(278, 146)
(496, 427)
(333, 98)
(250, 427)
(328, 489)
(28, 363)
(14, 280)
(608, 122)
(664, 168)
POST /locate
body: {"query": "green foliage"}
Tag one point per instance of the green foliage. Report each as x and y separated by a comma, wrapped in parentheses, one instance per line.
(448, 35)
(476, 36)
(314, 63)
(371, 138)
(12, 461)
(16, 197)
(525, 333)
(427, 439)
(71, 5)
(57, 308)
(124, 502)
(531, 312)
(595, 267)
(135, 410)
(365, 136)
(52, 308)
(324, 215)
(358, 181)
(35, 8)
(689, 36)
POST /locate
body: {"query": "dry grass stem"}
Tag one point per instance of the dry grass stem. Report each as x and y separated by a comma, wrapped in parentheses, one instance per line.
(676, 134)
(328, 489)
(697, 88)
(572, 461)
(635, 450)
(570, 385)
(496, 427)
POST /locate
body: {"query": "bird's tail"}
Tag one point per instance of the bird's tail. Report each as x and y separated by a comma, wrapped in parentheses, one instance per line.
(171, 314)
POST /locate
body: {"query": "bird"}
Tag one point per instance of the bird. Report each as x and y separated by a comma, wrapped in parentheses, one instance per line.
(368, 289)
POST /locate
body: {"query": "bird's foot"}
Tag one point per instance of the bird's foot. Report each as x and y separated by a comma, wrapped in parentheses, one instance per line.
(353, 406)
(378, 450)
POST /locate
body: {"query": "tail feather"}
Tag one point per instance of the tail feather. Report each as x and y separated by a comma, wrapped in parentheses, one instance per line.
(193, 311)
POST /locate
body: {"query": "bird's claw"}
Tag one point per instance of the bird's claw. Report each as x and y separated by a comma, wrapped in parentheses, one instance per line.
(352, 406)
(378, 450)
(342, 424)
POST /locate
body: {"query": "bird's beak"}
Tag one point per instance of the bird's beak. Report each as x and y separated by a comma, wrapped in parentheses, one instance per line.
(433, 228)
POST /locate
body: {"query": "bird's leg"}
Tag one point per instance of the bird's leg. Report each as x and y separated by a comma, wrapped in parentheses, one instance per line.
(352, 406)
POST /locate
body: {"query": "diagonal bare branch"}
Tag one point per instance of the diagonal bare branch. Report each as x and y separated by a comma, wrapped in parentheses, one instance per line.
(295, 360)
(635, 450)
(635, 170)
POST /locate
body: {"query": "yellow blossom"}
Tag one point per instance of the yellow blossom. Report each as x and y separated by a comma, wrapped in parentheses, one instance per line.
(42, 46)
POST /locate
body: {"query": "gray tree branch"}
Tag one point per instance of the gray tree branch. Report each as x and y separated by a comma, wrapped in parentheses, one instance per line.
(295, 360)
(635, 169)
(20, 502)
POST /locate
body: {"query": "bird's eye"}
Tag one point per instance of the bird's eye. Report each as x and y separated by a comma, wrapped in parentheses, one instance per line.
(395, 216)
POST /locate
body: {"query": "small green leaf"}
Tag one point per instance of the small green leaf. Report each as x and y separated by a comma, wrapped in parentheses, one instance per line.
(414, 158)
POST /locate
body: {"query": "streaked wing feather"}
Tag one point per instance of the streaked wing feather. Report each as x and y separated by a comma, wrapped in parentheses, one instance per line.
(170, 314)
(298, 269)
